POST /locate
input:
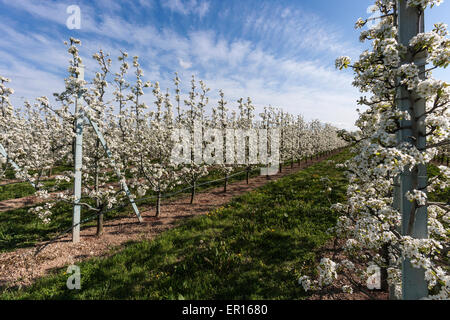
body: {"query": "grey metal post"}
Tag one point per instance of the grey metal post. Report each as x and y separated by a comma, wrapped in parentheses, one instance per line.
(414, 285)
(78, 163)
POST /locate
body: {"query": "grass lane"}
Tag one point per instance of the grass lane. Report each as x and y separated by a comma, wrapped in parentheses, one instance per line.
(251, 249)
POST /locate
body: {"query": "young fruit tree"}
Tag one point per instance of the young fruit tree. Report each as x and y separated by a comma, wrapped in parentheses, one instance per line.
(151, 160)
(194, 120)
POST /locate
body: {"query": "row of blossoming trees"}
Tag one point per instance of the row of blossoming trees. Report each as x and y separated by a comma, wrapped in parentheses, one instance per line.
(140, 137)
(389, 222)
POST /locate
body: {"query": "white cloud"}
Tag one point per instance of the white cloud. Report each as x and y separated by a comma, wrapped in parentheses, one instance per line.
(335, 106)
(294, 30)
(199, 7)
(286, 12)
(28, 81)
(55, 12)
(202, 8)
(184, 64)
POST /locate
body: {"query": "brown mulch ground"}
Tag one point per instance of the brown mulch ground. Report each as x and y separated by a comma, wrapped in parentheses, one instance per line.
(12, 204)
(333, 250)
(21, 267)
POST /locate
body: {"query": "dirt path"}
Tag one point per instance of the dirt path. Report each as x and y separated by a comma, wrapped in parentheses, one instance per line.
(22, 266)
(13, 204)
(333, 250)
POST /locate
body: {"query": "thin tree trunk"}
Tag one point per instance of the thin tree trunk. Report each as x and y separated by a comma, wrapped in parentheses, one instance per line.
(248, 174)
(100, 224)
(226, 183)
(383, 271)
(97, 201)
(158, 204)
(193, 192)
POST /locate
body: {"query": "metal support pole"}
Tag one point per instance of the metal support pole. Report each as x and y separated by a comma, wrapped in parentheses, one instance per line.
(119, 176)
(414, 285)
(79, 120)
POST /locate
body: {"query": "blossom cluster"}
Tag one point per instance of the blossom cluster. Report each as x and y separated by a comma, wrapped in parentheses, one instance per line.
(370, 219)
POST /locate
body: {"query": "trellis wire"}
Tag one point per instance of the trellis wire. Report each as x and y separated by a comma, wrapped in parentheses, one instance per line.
(88, 219)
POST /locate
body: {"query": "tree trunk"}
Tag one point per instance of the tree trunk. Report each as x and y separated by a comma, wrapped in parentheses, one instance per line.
(193, 192)
(248, 174)
(383, 271)
(100, 224)
(158, 204)
(97, 201)
(226, 183)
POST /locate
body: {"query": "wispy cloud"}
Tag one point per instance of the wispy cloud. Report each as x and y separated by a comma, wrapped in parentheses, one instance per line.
(50, 11)
(296, 31)
(184, 64)
(199, 7)
(279, 56)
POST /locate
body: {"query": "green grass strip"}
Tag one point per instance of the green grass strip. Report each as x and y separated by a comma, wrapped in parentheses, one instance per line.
(251, 249)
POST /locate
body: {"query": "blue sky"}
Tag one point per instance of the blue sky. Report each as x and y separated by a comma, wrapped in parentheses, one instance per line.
(279, 53)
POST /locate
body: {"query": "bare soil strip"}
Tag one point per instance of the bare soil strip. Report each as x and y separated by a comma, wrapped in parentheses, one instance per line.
(334, 251)
(21, 267)
(13, 204)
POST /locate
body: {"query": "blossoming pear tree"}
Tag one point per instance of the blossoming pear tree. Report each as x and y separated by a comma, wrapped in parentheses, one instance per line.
(388, 220)
(151, 163)
(225, 124)
(193, 120)
(247, 122)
